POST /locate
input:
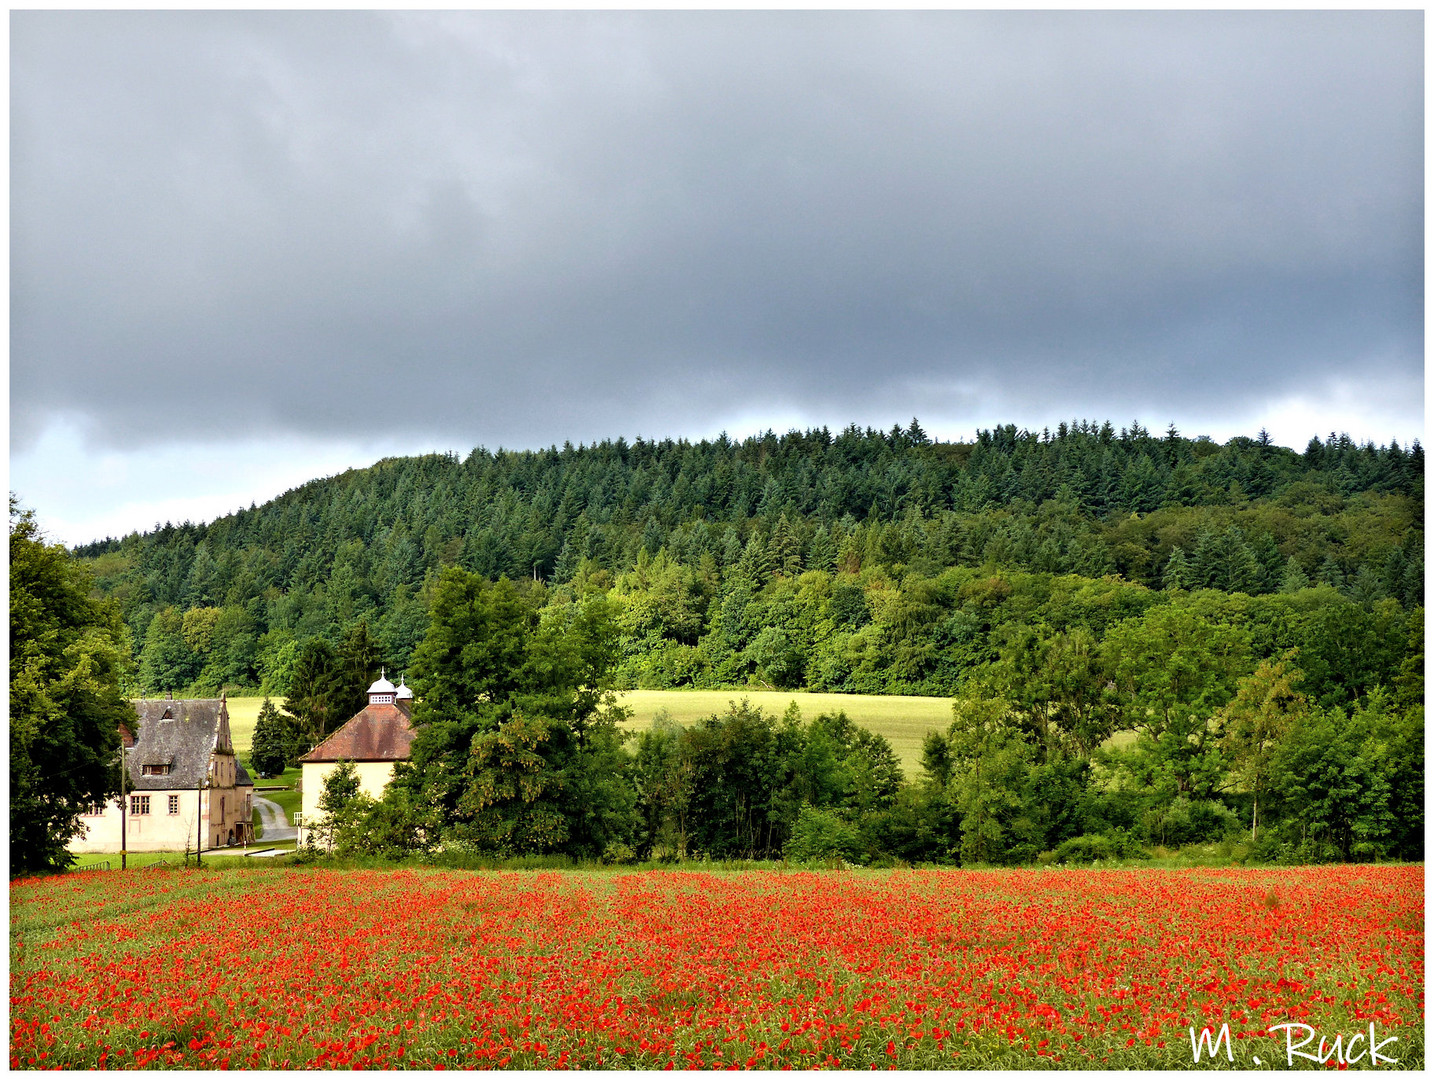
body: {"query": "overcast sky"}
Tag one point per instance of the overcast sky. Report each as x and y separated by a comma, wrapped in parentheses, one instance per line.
(250, 249)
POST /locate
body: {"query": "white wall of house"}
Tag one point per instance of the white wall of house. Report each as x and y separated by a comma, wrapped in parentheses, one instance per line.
(373, 778)
(167, 820)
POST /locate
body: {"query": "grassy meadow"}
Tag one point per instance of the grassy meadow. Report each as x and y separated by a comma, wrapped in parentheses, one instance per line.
(903, 720)
(243, 715)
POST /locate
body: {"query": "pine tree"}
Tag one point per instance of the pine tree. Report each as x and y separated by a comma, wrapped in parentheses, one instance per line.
(274, 744)
(315, 700)
(1179, 574)
(729, 552)
(1366, 587)
(358, 667)
(1171, 446)
(1411, 589)
(1294, 578)
(1330, 573)
(755, 565)
(1241, 570)
(822, 553)
(1141, 486)
(784, 549)
(1205, 563)
(1272, 564)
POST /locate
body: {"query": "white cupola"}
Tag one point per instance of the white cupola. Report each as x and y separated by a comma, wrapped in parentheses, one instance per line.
(381, 692)
(403, 693)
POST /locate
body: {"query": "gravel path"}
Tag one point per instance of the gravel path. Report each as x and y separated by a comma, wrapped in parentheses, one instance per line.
(271, 816)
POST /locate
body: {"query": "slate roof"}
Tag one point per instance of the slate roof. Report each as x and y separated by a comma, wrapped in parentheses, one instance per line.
(377, 733)
(197, 728)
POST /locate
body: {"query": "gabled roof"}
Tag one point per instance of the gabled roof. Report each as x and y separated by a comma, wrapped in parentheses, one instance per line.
(195, 729)
(378, 733)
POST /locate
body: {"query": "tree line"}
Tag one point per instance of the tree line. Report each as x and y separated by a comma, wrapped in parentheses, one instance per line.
(1022, 574)
(1180, 723)
(706, 546)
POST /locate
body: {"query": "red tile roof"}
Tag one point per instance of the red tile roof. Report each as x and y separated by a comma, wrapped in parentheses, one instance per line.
(378, 733)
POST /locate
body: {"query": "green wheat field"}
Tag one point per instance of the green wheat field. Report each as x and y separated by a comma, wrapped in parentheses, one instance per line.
(903, 720)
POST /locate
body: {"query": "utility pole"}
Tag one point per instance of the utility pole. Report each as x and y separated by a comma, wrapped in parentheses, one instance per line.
(199, 822)
(124, 808)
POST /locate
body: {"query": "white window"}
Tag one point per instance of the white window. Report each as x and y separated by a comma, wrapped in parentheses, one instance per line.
(174, 804)
(139, 804)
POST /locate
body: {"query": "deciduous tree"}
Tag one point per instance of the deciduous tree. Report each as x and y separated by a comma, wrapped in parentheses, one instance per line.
(68, 656)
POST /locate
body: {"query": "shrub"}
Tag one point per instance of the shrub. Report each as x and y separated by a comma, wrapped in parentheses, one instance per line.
(1190, 821)
(1089, 848)
(823, 836)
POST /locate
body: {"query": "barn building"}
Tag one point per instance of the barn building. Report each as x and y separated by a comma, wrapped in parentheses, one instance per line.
(377, 737)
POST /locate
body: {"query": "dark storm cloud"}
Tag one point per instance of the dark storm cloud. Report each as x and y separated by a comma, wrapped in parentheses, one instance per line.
(519, 228)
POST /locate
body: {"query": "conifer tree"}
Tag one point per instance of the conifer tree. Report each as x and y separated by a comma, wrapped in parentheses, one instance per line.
(274, 744)
(784, 549)
(1178, 572)
(755, 564)
(1294, 578)
(1329, 573)
(822, 553)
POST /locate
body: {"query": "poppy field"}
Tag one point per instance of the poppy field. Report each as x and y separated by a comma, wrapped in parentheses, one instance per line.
(423, 968)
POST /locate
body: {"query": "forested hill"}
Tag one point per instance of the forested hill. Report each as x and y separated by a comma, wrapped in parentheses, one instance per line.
(924, 549)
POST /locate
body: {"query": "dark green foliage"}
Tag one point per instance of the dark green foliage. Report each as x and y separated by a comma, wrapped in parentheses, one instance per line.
(517, 749)
(317, 695)
(735, 785)
(357, 666)
(276, 744)
(1088, 500)
(1091, 581)
(823, 836)
(327, 686)
(166, 663)
(1338, 780)
(68, 655)
(1090, 848)
(745, 766)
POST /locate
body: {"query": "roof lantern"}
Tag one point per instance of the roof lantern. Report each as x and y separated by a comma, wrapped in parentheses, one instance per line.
(403, 693)
(381, 692)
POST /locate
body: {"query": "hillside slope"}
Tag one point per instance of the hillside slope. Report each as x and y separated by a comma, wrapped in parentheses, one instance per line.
(855, 562)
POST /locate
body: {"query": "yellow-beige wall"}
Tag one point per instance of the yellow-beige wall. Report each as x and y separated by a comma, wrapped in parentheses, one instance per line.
(373, 778)
(159, 830)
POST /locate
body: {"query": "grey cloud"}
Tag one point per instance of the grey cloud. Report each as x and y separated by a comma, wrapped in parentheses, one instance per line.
(543, 226)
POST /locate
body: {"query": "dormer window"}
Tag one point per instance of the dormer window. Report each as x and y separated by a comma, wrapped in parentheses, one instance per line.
(168, 714)
(154, 770)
